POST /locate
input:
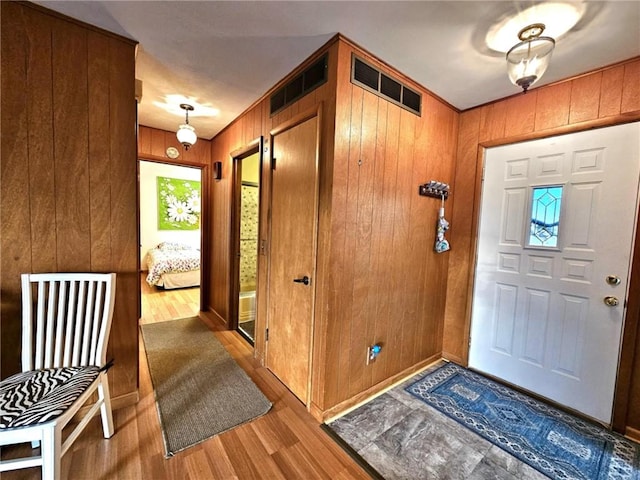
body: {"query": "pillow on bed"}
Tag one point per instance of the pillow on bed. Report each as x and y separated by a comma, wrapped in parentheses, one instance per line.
(174, 246)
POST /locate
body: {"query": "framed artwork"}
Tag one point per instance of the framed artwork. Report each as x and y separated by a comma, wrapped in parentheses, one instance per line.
(178, 204)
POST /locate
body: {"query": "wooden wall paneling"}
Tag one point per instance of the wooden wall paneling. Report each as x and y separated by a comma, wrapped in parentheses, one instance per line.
(364, 294)
(144, 140)
(493, 120)
(423, 214)
(333, 208)
(552, 107)
(320, 366)
(200, 152)
(71, 124)
(350, 339)
(355, 276)
(15, 240)
(386, 281)
(436, 146)
(405, 269)
(40, 145)
(157, 143)
(462, 237)
(369, 216)
(342, 242)
(99, 152)
(63, 177)
(631, 87)
(381, 231)
(585, 98)
(611, 91)
(125, 242)
(521, 114)
(153, 143)
(221, 219)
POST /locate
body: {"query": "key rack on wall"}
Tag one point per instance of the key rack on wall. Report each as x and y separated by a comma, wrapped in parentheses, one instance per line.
(434, 189)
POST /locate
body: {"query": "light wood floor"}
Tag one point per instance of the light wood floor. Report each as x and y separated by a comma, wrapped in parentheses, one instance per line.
(286, 443)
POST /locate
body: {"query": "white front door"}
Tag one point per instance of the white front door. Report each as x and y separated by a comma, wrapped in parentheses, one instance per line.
(556, 232)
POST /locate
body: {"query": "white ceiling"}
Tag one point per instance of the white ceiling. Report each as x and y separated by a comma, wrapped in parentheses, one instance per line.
(227, 54)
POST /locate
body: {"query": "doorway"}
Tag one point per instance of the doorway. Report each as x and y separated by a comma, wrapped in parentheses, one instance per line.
(170, 216)
(556, 230)
(292, 253)
(246, 229)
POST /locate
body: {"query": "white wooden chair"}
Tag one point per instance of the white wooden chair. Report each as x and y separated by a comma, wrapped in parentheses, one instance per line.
(64, 345)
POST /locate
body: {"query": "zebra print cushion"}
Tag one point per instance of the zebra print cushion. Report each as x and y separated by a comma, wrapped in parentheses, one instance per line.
(39, 396)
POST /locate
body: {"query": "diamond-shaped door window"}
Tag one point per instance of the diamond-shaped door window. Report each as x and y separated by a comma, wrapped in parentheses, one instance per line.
(545, 216)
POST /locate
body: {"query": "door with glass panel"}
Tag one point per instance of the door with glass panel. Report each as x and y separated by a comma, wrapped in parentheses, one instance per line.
(556, 230)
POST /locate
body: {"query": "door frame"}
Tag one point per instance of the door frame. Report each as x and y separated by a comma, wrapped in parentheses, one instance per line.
(204, 221)
(630, 330)
(302, 117)
(256, 146)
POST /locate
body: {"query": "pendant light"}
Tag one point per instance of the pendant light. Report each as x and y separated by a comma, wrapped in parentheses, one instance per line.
(528, 60)
(186, 133)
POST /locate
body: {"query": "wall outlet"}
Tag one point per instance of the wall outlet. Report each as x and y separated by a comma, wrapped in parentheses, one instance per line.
(372, 352)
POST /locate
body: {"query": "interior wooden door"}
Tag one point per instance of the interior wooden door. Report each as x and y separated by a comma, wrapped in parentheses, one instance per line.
(292, 254)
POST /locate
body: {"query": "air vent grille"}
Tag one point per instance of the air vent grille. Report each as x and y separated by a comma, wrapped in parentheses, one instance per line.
(381, 84)
(314, 76)
(366, 75)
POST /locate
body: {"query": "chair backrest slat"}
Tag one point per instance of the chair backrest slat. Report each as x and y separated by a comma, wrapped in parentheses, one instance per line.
(68, 336)
(77, 340)
(60, 324)
(39, 338)
(88, 323)
(27, 324)
(73, 314)
(97, 319)
(50, 324)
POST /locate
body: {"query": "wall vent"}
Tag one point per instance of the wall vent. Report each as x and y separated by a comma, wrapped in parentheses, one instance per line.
(373, 80)
(310, 79)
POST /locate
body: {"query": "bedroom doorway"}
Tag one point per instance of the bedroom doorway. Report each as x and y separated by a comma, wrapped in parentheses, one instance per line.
(170, 240)
(246, 227)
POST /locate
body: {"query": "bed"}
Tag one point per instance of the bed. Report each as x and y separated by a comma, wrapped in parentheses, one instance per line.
(173, 265)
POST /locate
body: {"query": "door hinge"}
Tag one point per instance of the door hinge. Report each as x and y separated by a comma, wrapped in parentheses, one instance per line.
(266, 335)
(273, 163)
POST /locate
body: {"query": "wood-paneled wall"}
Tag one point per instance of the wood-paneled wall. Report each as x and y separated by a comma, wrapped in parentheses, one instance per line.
(383, 283)
(153, 144)
(601, 98)
(68, 169)
(377, 279)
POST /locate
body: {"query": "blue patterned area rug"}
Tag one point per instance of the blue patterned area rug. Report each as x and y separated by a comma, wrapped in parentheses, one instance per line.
(557, 444)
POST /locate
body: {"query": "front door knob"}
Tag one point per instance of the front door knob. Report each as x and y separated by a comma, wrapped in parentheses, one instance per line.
(611, 301)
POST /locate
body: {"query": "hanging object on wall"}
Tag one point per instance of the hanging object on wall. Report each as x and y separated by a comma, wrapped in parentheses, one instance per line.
(186, 133)
(217, 170)
(442, 245)
(528, 60)
(434, 189)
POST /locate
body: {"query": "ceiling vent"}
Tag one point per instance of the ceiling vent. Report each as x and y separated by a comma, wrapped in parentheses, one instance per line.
(310, 79)
(372, 79)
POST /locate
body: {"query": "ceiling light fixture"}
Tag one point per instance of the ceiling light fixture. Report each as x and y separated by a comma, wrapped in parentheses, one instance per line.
(528, 60)
(186, 133)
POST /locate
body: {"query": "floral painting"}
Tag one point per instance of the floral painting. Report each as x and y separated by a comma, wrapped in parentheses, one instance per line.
(178, 204)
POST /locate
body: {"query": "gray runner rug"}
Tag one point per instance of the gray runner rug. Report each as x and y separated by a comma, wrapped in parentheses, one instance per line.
(200, 390)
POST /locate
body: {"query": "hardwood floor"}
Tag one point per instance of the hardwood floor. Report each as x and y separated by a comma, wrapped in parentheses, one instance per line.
(286, 443)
